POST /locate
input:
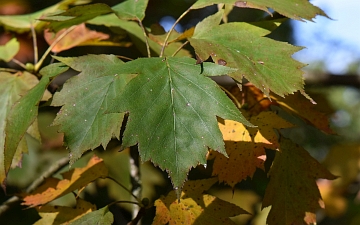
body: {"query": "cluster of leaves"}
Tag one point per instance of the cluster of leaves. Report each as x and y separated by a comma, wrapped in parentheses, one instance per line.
(175, 113)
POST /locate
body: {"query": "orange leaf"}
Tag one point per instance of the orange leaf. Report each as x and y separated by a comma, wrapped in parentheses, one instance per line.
(244, 158)
(195, 206)
(303, 108)
(73, 180)
(79, 35)
(292, 190)
(63, 214)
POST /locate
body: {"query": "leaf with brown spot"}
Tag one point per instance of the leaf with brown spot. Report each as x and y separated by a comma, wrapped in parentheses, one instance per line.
(74, 179)
(292, 191)
(244, 158)
(194, 206)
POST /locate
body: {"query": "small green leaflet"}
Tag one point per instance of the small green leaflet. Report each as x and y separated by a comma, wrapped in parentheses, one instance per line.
(85, 99)
(294, 9)
(25, 111)
(9, 50)
(131, 10)
(241, 46)
(172, 112)
(102, 216)
(76, 15)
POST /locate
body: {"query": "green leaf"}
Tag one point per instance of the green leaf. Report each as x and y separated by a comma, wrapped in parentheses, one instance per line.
(292, 190)
(172, 112)
(85, 99)
(131, 10)
(12, 86)
(264, 62)
(9, 50)
(76, 15)
(294, 9)
(99, 217)
(23, 23)
(137, 35)
(25, 111)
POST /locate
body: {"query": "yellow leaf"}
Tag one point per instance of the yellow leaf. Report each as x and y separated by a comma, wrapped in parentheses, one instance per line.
(195, 206)
(244, 158)
(62, 214)
(74, 179)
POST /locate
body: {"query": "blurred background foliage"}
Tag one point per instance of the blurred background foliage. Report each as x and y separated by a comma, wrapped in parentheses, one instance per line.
(336, 94)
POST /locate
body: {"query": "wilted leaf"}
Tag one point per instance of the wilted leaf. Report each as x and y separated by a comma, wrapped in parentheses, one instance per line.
(9, 50)
(303, 108)
(244, 158)
(295, 9)
(131, 10)
(23, 23)
(292, 190)
(195, 207)
(73, 180)
(57, 215)
(242, 46)
(78, 36)
(12, 87)
(85, 99)
(24, 112)
(76, 15)
(99, 217)
(176, 114)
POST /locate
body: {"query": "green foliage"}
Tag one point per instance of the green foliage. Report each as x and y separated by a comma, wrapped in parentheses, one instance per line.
(168, 105)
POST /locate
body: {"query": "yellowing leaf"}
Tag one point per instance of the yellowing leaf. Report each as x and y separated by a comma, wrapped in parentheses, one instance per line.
(266, 123)
(303, 108)
(292, 191)
(73, 180)
(78, 36)
(242, 161)
(195, 206)
(57, 215)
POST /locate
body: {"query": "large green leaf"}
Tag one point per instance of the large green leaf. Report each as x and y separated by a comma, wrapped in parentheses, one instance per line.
(102, 216)
(76, 15)
(295, 9)
(85, 99)
(131, 10)
(9, 50)
(23, 23)
(12, 86)
(172, 112)
(137, 35)
(264, 62)
(25, 111)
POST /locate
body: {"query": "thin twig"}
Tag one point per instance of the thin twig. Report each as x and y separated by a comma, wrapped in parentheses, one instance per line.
(56, 167)
(178, 50)
(171, 30)
(8, 70)
(124, 57)
(36, 54)
(146, 38)
(38, 65)
(121, 185)
(138, 217)
(231, 96)
(130, 202)
(135, 176)
(19, 63)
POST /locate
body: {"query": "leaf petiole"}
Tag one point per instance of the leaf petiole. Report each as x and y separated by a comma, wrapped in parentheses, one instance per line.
(121, 185)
